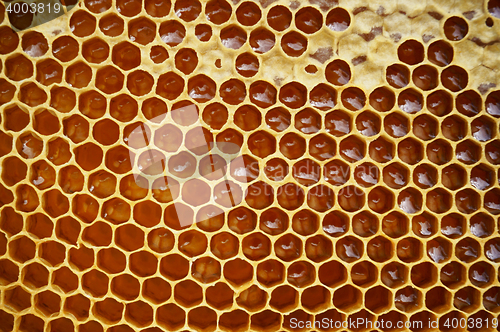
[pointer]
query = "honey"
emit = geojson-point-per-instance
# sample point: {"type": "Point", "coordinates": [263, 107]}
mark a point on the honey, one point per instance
{"type": "Point", "coordinates": [243, 165]}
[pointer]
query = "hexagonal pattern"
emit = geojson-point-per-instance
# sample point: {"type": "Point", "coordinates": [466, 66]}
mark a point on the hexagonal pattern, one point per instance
{"type": "Point", "coordinates": [244, 165]}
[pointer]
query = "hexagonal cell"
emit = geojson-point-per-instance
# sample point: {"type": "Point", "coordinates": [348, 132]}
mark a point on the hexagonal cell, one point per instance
{"type": "Point", "coordinates": [116, 211]}
{"type": "Point", "coordinates": [265, 320]}
{"type": "Point", "coordinates": [22, 249]}
{"type": "Point", "coordinates": [301, 274]}
{"type": "Point", "coordinates": [354, 99]}
{"type": "Point", "coordinates": [425, 127]}
{"type": "Point", "coordinates": [368, 123]}
{"type": "Point", "coordinates": [453, 275]}
{"type": "Point", "coordinates": [365, 224]}
{"type": "Point", "coordinates": [11, 222]}
{"type": "Point", "coordinates": [158, 54]}
{"type": "Point", "coordinates": [219, 296]}
{"type": "Point", "coordinates": [409, 250]}
{"type": "Point", "coordinates": [31, 322]}
{"type": "Point", "coordinates": [481, 274]}
{"type": "Point", "coordinates": [410, 101]}
{"type": "Point", "coordinates": [398, 75]}
{"type": "Point", "coordinates": [394, 274]}
{"type": "Point", "coordinates": [347, 298]}
{"type": "Point", "coordinates": [491, 201]}
{"type": "Point", "coordinates": [27, 199]}
{"type": "Point", "coordinates": [284, 298]}
{"type": "Point", "coordinates": [188, 293]}
{"type": "Point", "coordinates": [453, 177]}
{"type": "Point", "coordinates": [288, 247]}
{"type": "Point", "coordinates": [467, 201]}
{"type": "Point", "coordinates": [259, 195]}
{"type": "Point", "coordinates": [315, 298]}
{"type": "Point", "coordinates": [129, 237]}
{"type": "Point", "coordinates": [349, 249]}
{"type": "Point", "coordinates": [111, 260]}
{"type": "Point", "coordinates": [29, 145]}
{"type": "Point", "coordinates": [440, 103]}
{"type": "Point", "coordinates": [95, 50]}
{"type": "Point", "coordinates": [236, 320]}
{"type": "Point", "coordinates": [35, 275]}
{"type": "Point", "coordinates": [192, 243]}
{"type": "Point", "coordinates": [408, 299]}
{"type": "Point", "coordinates": [85, 208]}
{"type": "Point", "coordinates": [238, 271]}
{"type": "Point", "coordinates": [247, 64]}
{"type": "Point", "coordinates": [411, 52]}
{"type": "Point", "coordinates": [139, 313]}
{"type": "Point", "coordinates": [381, 150]}
{"type": "Point", "coordinates": [143, 263]}
{"type": "Point", "coordinates": [410, 200]}
{"type": "Point", "coordinates": [320, 198]}
{"type": "Point", "coordinates": [156, 290]}
{"type": "Point", "coordinates": [53, 252]}
{"type": "Point", "coordinates": [9, 272]}
{"type": "Point", "coordinates": [467, 299]}
{"type": "Point", "coordinates": [366, 174]}
{"type": "Point", "coordinates": [454, 78]}
{"type": "Point", "coordinates": [440, 53]}
{"type": "Point", "coordinates": [141, 30]}
{"type": "Point", "coordinates": [96, 283]}
{"type": "Point", "coordinates": [83, 257]}
{"type": "Point", "coordinates": [270, 272]}
{"type": "Point", "coordinates": [82, 23]}
{"type": "Point", "coordinates": [126, 287]}
{"type": "Point", "coordinates": [336, 172]}
{"type": "Point", "coordinates": [322, 147]}
{"type": "Point", "coordinates": [109, 310]}
{"type": "Point", "coordinates": [337, 123]}
{"type": "Point", "coordinates": [262, 144]}
{"type": "Point", "coordinates": [15, 118]}
{"type": "Point", "coordinates": [439, 152]}
{"type": "Point", "coordinates": [305, 222]}
{"type": "Point", "coordinates": [379, 249]}
{"type": "Point", "coordinates": [362, 315]}
{"type": "Point", "coordinates": [438, 200]}
{"type": "Point", "coordinates": [481, 225]}
{"type": "Point", "coordinates": [18, 67]}
{"type": "Point", "coordinates": [380, 200]}
{"type": "Point", "coordinates": [352, 149]}
{"type": "Point", "coordinates": [482, 177]}
{"type": "Point", "coordinates": [378, 299]}
{"type": "Point", "coordinates": [48, 72]}
{"type": "Point", "coordinates": [18, 298]}
{"type": "Point", "coordinates": [252, 298]}
{"type": "Point", "coordinates": [318, 248]}
{"type": "Point", "coordinates": [425, 77]}
{"type": "Point", "coordinates": [48, 303]}
{"type": "Point", "coordinates": [439, 250]}
{"type": "Point", "coordinates": [425, 176]}
{"type": "Point", "coordinates": [438, 299]}
{"type": "Point", "coordinates": [202, 318]}
{"type": "Point", "coordinates": [14, 170]}
{"type": "Point", "coordinates": [351, 198]}
{"type": "Point", "coordinates": [77, 305]}
{"type": "Point", "coordinates": [491, 299]}
{"type": "Point", "coordinates": [55, 204]}
{"type": "Point", "coordinates": [170, 316]}
{"type": "Point", "coordinates": [364, 274]}
{"type": "Point", "coordinates": [206, 270]}
{"type": "Point", "coordinates": [247, 117]}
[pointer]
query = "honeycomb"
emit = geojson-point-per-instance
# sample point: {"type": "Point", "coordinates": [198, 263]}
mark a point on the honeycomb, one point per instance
{"type": "Point", "coordinates": [251, 165]}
